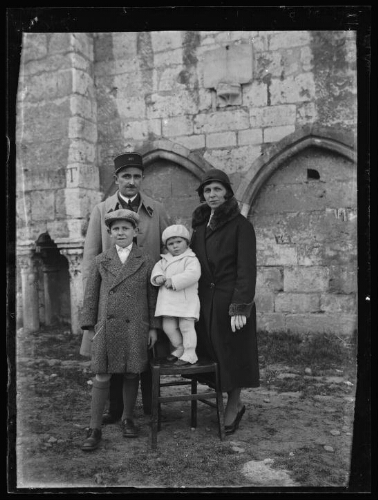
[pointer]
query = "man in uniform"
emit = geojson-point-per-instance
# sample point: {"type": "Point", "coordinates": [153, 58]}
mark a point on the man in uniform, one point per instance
{"type": "Point", "coordinates": [128, 176]}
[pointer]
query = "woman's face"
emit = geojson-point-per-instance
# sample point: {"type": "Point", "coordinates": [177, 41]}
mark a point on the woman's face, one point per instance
{"type": "Point", "coordinates": [214, 194]}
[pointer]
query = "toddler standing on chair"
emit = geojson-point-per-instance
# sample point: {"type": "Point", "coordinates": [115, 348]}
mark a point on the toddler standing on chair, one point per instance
{"type": "Point", "coordinates": [177, 274]}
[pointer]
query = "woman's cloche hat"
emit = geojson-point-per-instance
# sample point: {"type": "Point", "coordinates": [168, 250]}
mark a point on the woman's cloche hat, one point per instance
{"type": "Point", "coordinates": [214, 175]}
{"type": "Point", "coordinates": [177, 230]}
{"type": "Point", "coordinates": [122, 214]}
{"type": "Point", "coordinates": [128, 160]}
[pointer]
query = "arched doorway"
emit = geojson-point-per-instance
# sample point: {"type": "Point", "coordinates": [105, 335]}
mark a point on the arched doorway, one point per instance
{"type": "Point", "coordinates": [54, 283]}
{"type": "Point", "coordinates": [303, 204]}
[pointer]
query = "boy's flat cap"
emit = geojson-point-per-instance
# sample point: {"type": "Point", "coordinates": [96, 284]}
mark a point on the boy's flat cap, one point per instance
{"type": "Point", "coordinates": [122, 214]}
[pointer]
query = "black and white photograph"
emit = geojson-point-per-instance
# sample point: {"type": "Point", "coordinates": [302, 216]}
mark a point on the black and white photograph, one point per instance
{"type": "Point", "coordinates": [188, 253]}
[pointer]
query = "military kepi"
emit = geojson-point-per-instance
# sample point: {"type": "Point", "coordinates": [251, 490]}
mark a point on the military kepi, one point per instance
{"type": "Point", "coordinates": [128, 160]}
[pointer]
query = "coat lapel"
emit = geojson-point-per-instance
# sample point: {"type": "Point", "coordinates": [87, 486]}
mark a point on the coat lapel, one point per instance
{"type": "Point", "coordinates": [111, 262]}
{"type": "Point", "coordinates": [133, 263]}
{"type": "Point", "coordinates": [201, 236]}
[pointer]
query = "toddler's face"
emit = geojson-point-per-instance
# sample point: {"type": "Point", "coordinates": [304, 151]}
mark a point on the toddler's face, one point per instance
{"type": "Point", "coordinates": [122, 233]}
{"type": "Point", "coordinates": [176, 245]}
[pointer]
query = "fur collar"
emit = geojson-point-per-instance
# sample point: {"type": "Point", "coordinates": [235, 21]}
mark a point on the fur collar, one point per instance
{"type": "Point", "coordinates": [223, 214]}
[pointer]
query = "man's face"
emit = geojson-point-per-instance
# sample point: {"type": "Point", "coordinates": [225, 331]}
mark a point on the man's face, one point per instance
{"type": "Point", "coordinates": [129, 181]}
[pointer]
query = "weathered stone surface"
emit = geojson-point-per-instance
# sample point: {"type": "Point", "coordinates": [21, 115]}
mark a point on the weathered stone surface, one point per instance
{"type": "Point", "coordinates": [300, 88]}
{"type": "Point", "coordinates": [166, 40]}
{"type": "Point", "coordinates": [221, 140]}
{"type": "Point", "coordinates": [339, 324]}
{"type": "Point", "coordinates": [162, 106]}
{"type": "Point", "coordinates": [81, 151]}
{"type": "Point", "coordinates": [270, 322]}
{"type": "Point", "coordinates": [192, 142]}
{"type": "Point", "coordinates": [47, 86]}
{"type": "Point", "coordinates": [269, 278]}
{"type": "Point", "coordinates": [182, 125]}
{"type": "Point", "coordinates": [338, 303]}
{"type": "Point", "coordinates": [141, 130]}
{"type": "Point", "coordinates": [275, 134]}
{"type": "Point", "coordinates": [233, 160]}
{"type": "Point", "coordinates": [80, 128]}
{"type": "Point", "coordinates": [84, 107]}
{"type": "Point", "coordinates": [343, 278]}
{"type": "Point", "coordinates": [34, 46]}
{"type": "Point", "coordinates": [306, 279]}
{"type": "Point", "coordinates": [282, 40]}
{"type": "Point", "coordinates": [253, 136]}
{"type": "Point", "coordinates": [264, 302]}
{"type": "Point", "coordinates": [255, 94]}
{"type": "Point", "coordinates": [297, 302]}
{"type": "Point", "coordinates": [222, 121]}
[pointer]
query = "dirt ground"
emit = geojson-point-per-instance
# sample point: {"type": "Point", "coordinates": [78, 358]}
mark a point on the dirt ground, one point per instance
{"type": "Point", "coordinates": [297, 430]}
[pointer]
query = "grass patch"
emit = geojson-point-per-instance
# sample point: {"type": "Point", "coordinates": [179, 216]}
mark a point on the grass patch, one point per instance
{"type": "Point", "coordinates": [316, 351]}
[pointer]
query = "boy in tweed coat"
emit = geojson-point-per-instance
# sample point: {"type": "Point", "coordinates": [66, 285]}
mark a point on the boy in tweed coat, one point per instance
{"type": "Point", "coordinates": [119, 305]}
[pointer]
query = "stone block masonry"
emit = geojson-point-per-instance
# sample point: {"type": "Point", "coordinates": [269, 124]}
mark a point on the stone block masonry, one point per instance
{"type": "Point", "coordinates": [84, 98]}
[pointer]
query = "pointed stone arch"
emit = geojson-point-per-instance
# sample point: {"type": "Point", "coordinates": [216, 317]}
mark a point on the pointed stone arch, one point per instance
{"type": "Point", "coordinates": [342, 142]}
{"type": "Point", "coordinates": [165, 149]}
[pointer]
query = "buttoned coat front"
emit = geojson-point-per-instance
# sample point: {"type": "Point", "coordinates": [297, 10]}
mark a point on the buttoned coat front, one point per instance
{"type": "Point", "coordinates": [227, 254]}
{"type": "Point", "coordinates": [119, 302]}
{"type": "Point", "coordinates": [184, 270]}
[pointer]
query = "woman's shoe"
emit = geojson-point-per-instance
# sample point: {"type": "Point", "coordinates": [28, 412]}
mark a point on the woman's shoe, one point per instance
{"type": "Point", "coordinates": [230, 429]}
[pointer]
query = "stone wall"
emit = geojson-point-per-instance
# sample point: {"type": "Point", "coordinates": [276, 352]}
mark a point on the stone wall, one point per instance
{"type": "Point", "coordinates": [228, 98]}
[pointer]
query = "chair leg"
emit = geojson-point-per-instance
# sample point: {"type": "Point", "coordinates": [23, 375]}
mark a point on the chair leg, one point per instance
{"type": "Point", "coordinates": [159, 411]}
{"type": "Point", "coordinates": [194, 403]}
{"type": "Point", "coordinates": [155, 406]}
{"type": "Point", "coordinates": [220, 408]}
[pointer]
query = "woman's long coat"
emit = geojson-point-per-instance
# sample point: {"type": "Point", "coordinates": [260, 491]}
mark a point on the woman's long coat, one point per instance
{"type": "Point", "coordinates": [184, 270]}
{"type": "Point", "coordinates": [120, 302]}
{"type": "Point", "coordinates": [227, 254]}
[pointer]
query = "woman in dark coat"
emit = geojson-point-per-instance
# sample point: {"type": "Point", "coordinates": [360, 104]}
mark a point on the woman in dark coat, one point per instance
{"type": "Point", "coordinates": [225, 244]}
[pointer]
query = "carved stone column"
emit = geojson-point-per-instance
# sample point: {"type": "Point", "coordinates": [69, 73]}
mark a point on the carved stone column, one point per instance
{"type": "Point", "coordinates": [74, 257]}
{"type": "Point", "coordinates": [50, 273]}
{"type": "Point", "coordinates": [29, 285]}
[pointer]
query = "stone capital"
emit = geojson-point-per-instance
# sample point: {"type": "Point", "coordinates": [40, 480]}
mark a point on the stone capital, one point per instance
{"type": "Point", "coordinates": [74, 257]}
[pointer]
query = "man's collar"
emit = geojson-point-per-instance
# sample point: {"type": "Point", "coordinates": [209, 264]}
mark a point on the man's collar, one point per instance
{"type": "Point", "coordinates": [127, 199]}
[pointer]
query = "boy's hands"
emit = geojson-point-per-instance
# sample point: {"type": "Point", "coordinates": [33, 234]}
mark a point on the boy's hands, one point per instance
{"type": "Point", "coordinates": [160, 280]}
{"type": "Point", "coordinates": [152, 338]}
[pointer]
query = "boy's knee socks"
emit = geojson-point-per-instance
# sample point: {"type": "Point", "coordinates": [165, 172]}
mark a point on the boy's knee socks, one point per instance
{"type": "Point", "coordinates": [99, 396]}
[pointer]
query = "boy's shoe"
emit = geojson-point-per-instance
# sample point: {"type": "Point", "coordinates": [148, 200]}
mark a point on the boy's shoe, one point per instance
{"type": "Point", "coordinates": [129, 429]}
{"type": "Point", "coordinates": [93, 440]}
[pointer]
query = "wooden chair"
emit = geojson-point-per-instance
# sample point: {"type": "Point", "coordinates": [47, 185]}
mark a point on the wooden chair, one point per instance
{"type": "Point", "coordinates": [204, 371]}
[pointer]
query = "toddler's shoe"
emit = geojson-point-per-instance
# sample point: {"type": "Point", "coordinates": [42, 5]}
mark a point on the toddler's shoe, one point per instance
{"type": "Point", "coordinates": [171, 358]}
{"type": "Point", "coordinates": [181, 362]}
{"type": "Point", "coordinates": [93, 440]}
